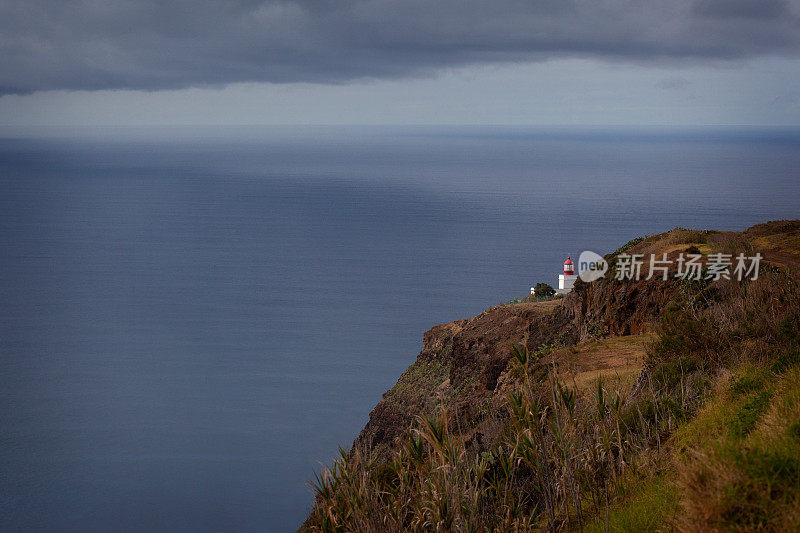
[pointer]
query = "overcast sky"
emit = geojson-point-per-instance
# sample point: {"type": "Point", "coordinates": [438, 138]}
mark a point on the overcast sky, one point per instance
{"type": "Point", "coordinates": [400, 62]}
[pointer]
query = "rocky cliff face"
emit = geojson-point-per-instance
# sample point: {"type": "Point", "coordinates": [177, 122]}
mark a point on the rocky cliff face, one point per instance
{"type": "Point", "coordinates": [463, 364]}
{"type": "Point", "coordinates": [460, 364]}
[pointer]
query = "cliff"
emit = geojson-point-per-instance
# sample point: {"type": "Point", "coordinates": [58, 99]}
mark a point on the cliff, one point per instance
{"type": "Point", "coordinates": [465, 363]}
{"type": "Point", "coordinates": [609, 329]}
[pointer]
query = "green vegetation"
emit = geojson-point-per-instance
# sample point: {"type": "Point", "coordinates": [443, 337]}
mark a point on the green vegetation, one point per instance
{"type": "Point", "coordinates": [625, 247]}
{"type": "Point", "coordinates": [707, 438]}
{"type": "Point", "coordinates": [543, 290]}
{"type": "Point", "coordinates": [542, 296]}
{"type": "Point", "coordinates": [417, 384]}
{"type": "Point", "coordinates": [646, 504]}
{"type": "Point", "coordinates": [741, 460]}
{"type": "Point", "coordinates": [689, 236]}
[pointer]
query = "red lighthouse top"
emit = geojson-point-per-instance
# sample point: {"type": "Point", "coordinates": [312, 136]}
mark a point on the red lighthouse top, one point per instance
{"type": "Point", "coordinates": [569, 268]}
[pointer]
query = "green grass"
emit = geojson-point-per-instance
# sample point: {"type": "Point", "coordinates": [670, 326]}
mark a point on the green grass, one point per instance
{"type": "Point", "coordinates": [421, 378]}
{"type": "Point", "coordinates": [527, 299]}
{"type": "Point", "coordinates": [786, 360]}
{"type": "Point", "coordinates": [740, 457]}
{"type": "Point", "coordinates": [647, 504]}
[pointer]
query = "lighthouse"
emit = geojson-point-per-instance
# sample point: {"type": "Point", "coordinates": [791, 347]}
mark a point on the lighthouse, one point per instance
{"type": "Point", "coordinates": [566, 280]}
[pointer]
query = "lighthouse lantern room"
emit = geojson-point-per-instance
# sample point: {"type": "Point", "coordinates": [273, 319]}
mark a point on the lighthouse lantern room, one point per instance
{"type": "Point", "coordinates": [566, 280]}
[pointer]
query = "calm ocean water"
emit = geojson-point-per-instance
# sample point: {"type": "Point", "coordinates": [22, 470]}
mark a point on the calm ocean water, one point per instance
{"type": "Point", "coordinates": [192, 321]}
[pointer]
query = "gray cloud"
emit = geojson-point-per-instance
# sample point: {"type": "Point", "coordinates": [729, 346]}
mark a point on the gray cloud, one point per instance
{"type": "Point", "coordinates": [153, 45]}
{"type": "Point", "coordinates": [747, 9]}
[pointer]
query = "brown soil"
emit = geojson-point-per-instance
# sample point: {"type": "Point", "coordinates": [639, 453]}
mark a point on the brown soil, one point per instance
{"type": "Point", "coordinates": [616, 359]}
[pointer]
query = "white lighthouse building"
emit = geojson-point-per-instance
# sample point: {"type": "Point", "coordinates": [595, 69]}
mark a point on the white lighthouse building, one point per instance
{"type": "Point", "coordinates": [566, 280]}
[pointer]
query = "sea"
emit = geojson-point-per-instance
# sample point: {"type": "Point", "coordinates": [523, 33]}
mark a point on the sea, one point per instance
{"type": "Point", "coordinates": [194, 319]}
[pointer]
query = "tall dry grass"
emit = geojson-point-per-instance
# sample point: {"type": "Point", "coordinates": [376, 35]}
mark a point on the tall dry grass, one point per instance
{"type": "Point", "coordinates": [562, 460]}
{"type": "Point", "coordinates": [565, 459]}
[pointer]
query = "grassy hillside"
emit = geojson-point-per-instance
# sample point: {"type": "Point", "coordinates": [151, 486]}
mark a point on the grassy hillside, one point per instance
{"type": "Point", "coordinates": [692, 423]}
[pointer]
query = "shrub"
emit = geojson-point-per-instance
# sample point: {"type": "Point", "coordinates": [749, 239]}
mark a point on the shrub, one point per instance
{"type": "Point", "coordinates": [684, 331]}
{"type": "Point", "coordinates": [543, 290]}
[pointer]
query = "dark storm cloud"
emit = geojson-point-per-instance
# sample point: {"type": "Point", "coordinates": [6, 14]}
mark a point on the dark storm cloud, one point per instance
{"type": "Point", "coordinates": [103, 44]}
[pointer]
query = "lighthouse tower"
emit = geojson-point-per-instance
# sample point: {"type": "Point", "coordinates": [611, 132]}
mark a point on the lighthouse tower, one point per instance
{"type": "Point", "coordinates": [567, 280]}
